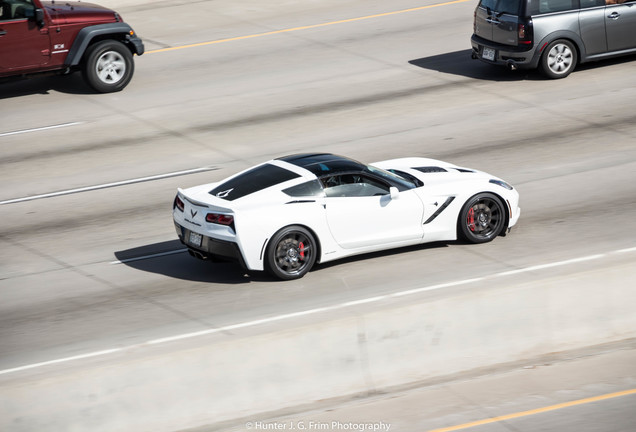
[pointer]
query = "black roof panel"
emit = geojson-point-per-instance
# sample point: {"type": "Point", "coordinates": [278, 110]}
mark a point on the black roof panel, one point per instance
{"type": "Point", "coordinates": [324, 163]}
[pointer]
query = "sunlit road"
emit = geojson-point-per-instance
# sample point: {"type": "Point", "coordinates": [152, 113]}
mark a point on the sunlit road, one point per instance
{"type": "Point", "coordinates": [88, 255]}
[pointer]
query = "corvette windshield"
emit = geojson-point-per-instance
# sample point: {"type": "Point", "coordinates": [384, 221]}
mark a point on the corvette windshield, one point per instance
{"type": "Point", "coordinates": [392, 178]}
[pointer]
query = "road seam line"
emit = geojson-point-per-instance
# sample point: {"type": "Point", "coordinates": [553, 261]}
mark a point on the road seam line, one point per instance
{"type": "Point", "coordinates": [108, 185]}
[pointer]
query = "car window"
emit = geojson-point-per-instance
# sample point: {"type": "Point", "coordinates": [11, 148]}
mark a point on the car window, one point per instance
{"type": "Point", "coordinates": [258, 178]}
{"type": "Point", "coordinates": [311, 188]}
{"type": "Point", "coordinates": [353, 185]}
{"type": "Point", "coordinates": [511, 7]}
{"type": "Point", "coordinates": [591, 3]}
{"type": "Point", "coordinates": [546, 6]}
{"type": "Point", "coordinates": [16, 9]}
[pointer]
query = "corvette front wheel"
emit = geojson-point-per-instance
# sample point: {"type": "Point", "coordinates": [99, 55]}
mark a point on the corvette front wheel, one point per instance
{"type": "Point", "coordinates": [291, 253]}
{"type": "Point", "coordinates": [482, 218]}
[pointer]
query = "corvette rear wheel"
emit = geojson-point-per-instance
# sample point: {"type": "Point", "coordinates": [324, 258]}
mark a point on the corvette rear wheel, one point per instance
{"type": "Point", "coordinates": [482, 218]}
{"type": "Point", "coordinates": [291, 253]}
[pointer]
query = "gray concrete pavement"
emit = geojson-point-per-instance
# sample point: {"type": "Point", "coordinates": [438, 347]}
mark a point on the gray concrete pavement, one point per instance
{"type": "Point", "coordinates": [591, 390]}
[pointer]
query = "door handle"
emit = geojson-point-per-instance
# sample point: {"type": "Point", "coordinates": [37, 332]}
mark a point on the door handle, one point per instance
{"type": "Point", "coordinates": [3, 32]}
{"type": "Point", "coordinates": [614, 15]}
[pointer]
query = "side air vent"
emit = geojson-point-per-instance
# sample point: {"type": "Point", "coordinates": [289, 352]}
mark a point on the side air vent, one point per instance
{"type": "Point", "coordinates": [430, 169]}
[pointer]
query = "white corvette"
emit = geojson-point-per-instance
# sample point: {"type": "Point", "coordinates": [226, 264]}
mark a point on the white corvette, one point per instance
{"type": "Point", "coordinates": [289, 213]}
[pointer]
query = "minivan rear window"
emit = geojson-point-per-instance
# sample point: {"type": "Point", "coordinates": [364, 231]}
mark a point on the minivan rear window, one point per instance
{"type": "Point", "coordinates": [258, 178]}
{"type": "Point", "coordinates": [510, 7]}
{"type": "Point", "coordinates": [538, 7]}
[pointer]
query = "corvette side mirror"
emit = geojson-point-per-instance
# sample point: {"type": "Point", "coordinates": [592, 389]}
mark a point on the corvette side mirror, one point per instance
{"type": "Point", "coordinates": [394, 192]}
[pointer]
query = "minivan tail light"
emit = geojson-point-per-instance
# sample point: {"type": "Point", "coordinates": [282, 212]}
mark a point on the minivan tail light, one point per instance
{"type": "Point", "coordinates": [524, 33]}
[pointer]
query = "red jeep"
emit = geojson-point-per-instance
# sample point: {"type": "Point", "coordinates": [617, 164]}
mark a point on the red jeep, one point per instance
{"type": "Point", "coordinates": [51, 36]}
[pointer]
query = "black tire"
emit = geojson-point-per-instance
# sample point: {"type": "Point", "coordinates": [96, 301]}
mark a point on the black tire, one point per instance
{"type": "Point", "coordinates": [108, 66]}
{"type": "Point", "coordinates": [559, 59]}
{"type": "Point", "coordinates": [482, 218]}
{"type": "Point", "coordinates": [291, 253]}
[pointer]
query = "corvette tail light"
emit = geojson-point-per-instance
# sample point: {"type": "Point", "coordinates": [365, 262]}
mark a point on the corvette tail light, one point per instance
{"type": "Point", "coordinates": [220, 219]}
{"type": "Point", "coordinates": [178, 203]}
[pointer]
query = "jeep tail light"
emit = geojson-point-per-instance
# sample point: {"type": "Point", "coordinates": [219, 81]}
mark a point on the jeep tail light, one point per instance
{"type": "Point", "coordinates": [220, 219]}
{"type": "Point", "coordinates": [178, 203]}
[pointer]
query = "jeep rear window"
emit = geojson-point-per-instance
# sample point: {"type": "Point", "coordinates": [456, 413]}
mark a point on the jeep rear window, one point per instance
{"type": "Point", "coordinates": [254, 180]}
{"type": "Point", "coordinates": [511, 7]}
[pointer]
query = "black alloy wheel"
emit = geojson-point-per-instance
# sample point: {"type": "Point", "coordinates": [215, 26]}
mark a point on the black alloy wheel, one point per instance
{"type": "Point", "coordinates": [291, 253]}
{"type": "Point", "coordinates": [482, 218]}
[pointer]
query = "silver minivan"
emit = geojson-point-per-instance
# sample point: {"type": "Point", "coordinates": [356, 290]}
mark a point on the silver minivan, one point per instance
{"type": "Point", "coordinates": [553, 35]}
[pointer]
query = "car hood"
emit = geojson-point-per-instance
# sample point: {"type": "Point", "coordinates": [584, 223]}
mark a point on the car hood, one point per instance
{"type": "Point", "coordinates": [433, 171]}
{"type": "Point", "coordinates": [79, 12]}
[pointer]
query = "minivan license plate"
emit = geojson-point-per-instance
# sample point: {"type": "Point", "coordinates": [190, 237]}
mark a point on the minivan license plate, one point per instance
{"type": "Point", "coordinates": [488, 54]}
{"type": "Point", "coordinates": [195, 239]}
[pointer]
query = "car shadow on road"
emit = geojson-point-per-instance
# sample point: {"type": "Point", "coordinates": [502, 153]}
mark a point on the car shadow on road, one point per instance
{"type": "Point", "coordinates": [70, 84]}
{"type": "Point", "coordinates": [460, 63]}
{"type": "Point", "coordinates": [171, 259]}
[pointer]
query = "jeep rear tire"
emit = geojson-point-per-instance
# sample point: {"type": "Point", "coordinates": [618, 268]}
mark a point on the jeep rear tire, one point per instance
{"type": "Point", "coordinates": [108, 66]}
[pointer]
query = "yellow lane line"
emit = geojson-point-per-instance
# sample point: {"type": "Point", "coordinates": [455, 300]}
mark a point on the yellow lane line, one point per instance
{"type": "Point", "coordinates": [305, 27]}
{"type": "Point", "coordinates": [536, 411]}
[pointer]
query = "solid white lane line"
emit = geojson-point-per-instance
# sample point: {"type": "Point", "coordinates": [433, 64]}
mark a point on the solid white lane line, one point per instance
{"type": "Point", "coordinates": [626, 250]}
{"type": "Point", "coordinates": [148, 256]}
{"type": "Point", "coordinates": [39, 129]}
{"type": "Point", "coordinates": [108, 185]}
{"type": "Point", "coordinates": [337, 306]}
{"type": "Point", "coordinates": [549, 265]}
{"type": "Point", "coordinates": [62, 360]}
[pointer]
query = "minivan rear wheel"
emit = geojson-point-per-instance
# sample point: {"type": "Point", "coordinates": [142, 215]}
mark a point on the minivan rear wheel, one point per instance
{"type": "Point", "coordinates": [558, 59]}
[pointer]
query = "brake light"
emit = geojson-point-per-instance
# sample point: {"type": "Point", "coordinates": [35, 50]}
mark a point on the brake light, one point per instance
{"type": "Point", "coordinates": [220, 219]}
{"type": "Point", "coordinates": [178, 203]}
{"type": "Point", "coordinates": [524, 33]}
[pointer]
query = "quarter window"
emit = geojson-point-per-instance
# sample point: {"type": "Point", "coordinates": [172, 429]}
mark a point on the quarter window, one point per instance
{"type": "Point", "coordinates": [353, 185]}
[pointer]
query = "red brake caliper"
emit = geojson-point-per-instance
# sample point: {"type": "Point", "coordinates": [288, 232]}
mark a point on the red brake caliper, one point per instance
{"type": "Point", "coordinates": [471, 219]}
{"type": "Point", "coordinates": [302, 250]}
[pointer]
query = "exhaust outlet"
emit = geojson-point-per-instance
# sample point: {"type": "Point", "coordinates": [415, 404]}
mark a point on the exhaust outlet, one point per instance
{"type": "Point", "coordinates": [196, 254]}
{"type": "Point", "coordinates": [511, 65]}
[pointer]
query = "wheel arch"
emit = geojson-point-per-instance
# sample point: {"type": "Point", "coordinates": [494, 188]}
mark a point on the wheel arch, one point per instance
{"type": "Point", "coordinates": [506, 205]}
{"type": "Point", "coordinates": [569, 36]}
{"type": "Point", "coordinates": [302, 225]}
{"type": "Point", "coordinates": [88, 36]}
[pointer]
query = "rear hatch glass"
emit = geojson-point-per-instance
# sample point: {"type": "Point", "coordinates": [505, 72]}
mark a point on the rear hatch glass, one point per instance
{"type": "Point", "coordinates": [254, 180]}
{"type": "Point", "coordinates": [497, 20]}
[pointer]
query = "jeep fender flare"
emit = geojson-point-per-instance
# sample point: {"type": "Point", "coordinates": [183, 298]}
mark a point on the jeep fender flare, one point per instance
{"type": "Point", "coordinates": [122, 31]}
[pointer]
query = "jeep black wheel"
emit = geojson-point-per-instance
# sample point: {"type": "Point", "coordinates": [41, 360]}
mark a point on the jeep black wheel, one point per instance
{"type": "Point", "coordinates": [291, 253]}
{"type": "Point", "coordinates": [108, 66]}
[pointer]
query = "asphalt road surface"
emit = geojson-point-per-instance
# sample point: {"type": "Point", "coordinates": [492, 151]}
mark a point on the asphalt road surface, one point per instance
{"type": "Point", "coordinates": [89, 259]}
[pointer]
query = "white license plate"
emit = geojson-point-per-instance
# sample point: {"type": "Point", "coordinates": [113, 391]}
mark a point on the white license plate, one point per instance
{"type": "Point", "coordinates": [195, 239]}
{"type": "Point", "coordinates": [488, 54]}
